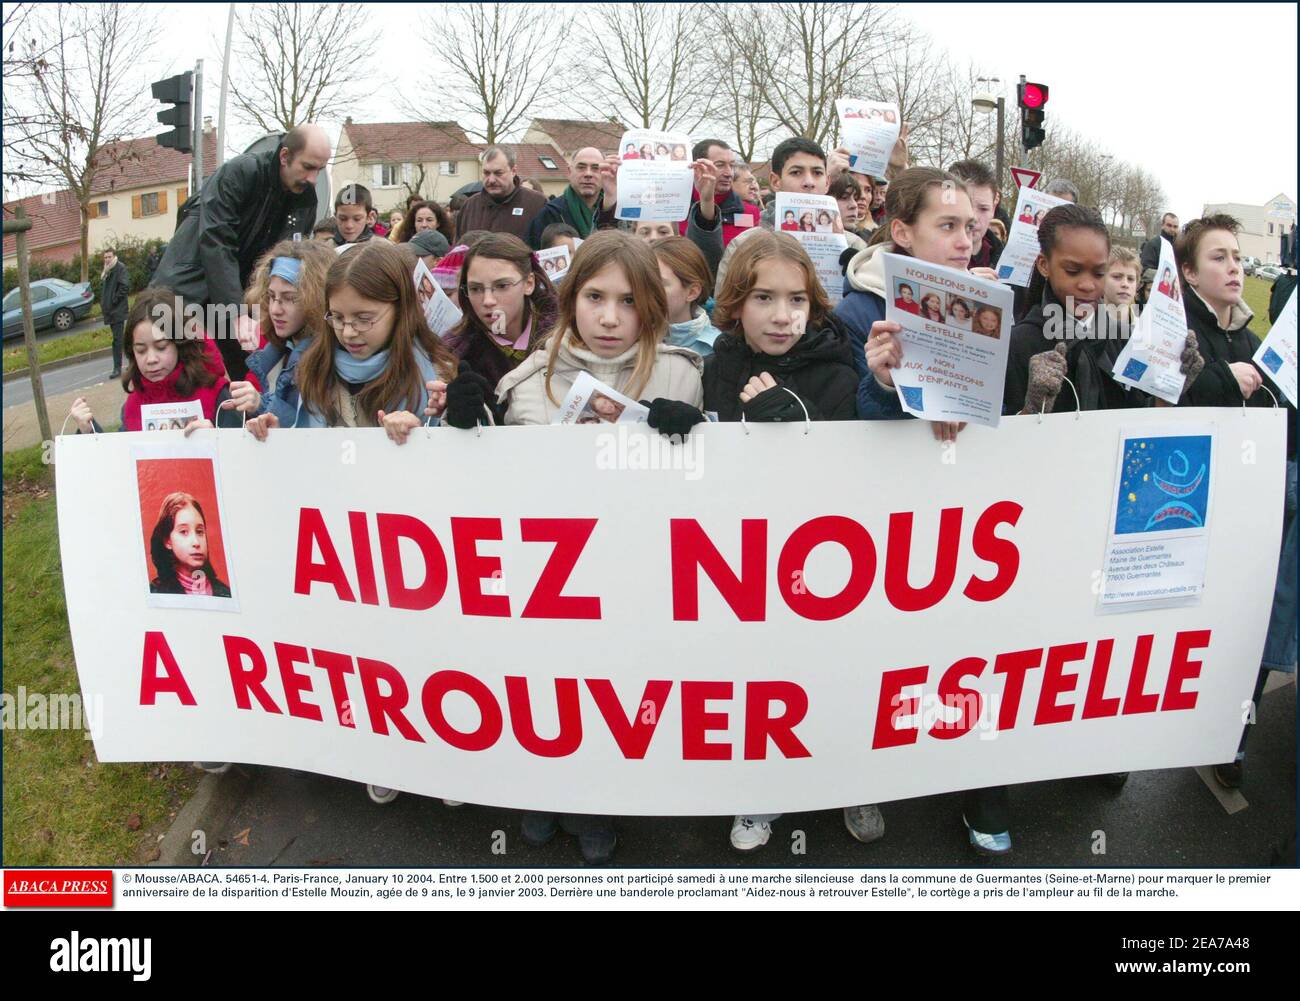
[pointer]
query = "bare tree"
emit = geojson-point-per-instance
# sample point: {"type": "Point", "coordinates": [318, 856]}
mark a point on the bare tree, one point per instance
{"type": "Point", "coordinates": [298, 62]}
{"type": "Point", "coordinates": [498, 58]}
{"type": "Point", "coordinates": [26, 53]}
{"type": "Point", "coordinates": [643, 66]}
{"type": "Point", "coordinates": [739, 108]}
{"type": "Point", "coordinates": [80, 103]}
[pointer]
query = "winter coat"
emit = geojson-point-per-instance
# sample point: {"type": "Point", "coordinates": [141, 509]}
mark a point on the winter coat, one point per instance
{"type": "Point", "coordinates": [283, 399]}
{"type": "Point", "coordinates": [494, 363]}
{"type": "Point", "coordinates": [676, 376]}
{"type": "Point", "coordinates": [238, 214]}
{"type": "Point", "coordinates": [817, 369]}
{"type": "Point", "coordinates": [732, 208]}
{"type": "Point", "coordinates": [117, 285]}
{"type": "Point", "coordinates": [514, 215]}
{"type": "Point", "coordinates": [1090, 362]}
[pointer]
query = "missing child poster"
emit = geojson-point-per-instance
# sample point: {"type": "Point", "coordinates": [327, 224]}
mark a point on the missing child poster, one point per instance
{"type": "Point", "coordinates": [814, 220]}
{"type": "Point", "coordinates": [439, 311]}
{"type": "Point", "coordinates": [1277, 355]}
{"type": "Point", "coordinates": [955, 337]}
{"type": "Point", "coordinates": [655, 179]}
{"type": "Point", "coordinates": [590, 401]}
{"type": "Point", "coordinates": [169, 416]}
{"type": "Point", "coordinates": [1152, 359]}
{"type": "Point", "coordinates": [1159, 528]}
{"type": "Point", "coordinates": [869, 131]}
{"type": "Point", "coordinates": [555, 261]}
{"type": "Point", "coordinates": [1016, 264]}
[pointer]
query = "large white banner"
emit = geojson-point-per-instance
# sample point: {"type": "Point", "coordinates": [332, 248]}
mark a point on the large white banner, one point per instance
{"type": "Point", "coordinates": [590, 619]}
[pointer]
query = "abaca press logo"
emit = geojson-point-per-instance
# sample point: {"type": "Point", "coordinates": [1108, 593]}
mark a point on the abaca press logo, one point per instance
{"type": "Point", "coordinates": [1164, 484]}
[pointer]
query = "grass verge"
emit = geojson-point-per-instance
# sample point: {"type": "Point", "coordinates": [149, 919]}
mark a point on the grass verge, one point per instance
{"type": "Point", "coordinates": [59, 347]}
{"type": "Point", "coordinates": [60, 805]}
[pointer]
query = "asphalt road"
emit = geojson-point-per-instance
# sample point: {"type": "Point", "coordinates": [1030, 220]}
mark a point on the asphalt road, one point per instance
{"type": "Point", "coordinates": [1161, 818]}
{"type": "Point", "coordinates": [59, 380]}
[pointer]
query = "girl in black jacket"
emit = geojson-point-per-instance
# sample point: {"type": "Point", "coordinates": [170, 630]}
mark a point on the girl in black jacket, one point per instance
{"type": "Point", "coordinates": [782, 352]}
{"type": "Point", "coordinates": [1209, 264]}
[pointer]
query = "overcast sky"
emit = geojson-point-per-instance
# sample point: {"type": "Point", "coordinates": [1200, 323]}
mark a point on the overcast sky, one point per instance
{"type": "Point", "coordinates": [1202, 95]}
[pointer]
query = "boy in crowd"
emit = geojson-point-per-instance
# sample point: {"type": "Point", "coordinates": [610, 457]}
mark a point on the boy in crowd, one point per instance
{"type": "Point", "coordinates": [325, 229]}
{"type": "Point", "coordinates": [354, 214]}
{"type": "Point", "coordinates": [560, 234]}
{"type": "Point", "coordinates": [984, 197]}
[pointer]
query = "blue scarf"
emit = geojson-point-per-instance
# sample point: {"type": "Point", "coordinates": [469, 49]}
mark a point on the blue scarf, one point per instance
{"type": "Point", "coordinates": [359, 371]}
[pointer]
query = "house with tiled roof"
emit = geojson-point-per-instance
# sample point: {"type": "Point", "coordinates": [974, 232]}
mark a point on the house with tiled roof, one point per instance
{"type": "Point", "coordinates": [137, 190]}
{"type": "Point", "coordinates": [396, 159]}
{"type": "Point", "coordinates": [569, 135]}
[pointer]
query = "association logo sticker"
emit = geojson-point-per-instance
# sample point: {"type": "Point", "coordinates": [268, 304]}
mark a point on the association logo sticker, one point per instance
{"type": "Point", "coordinates": [1164, 484]}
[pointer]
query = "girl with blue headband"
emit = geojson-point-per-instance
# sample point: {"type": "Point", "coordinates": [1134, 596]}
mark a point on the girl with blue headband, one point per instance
{"type": "Point", "coordinates": [288, 289]}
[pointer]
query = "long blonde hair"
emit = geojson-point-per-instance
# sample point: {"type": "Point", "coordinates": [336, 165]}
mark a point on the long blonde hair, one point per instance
{"type": "Point", "coordinates": [639, 264]}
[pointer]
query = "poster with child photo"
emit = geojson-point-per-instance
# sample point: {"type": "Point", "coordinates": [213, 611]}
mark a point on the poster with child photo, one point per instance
{"type": "Point", "coordinates": [590, 401]}
{"type": "Point", "coordinates": [655, 179]}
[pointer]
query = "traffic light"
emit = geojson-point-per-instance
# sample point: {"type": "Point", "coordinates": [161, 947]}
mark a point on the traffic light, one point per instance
{"type": "Point", "coordinates": [176, 90]}
{"type": "Point", "coordinates": [1032, 98]}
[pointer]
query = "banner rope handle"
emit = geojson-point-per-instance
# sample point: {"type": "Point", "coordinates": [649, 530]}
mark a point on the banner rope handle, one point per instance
{"type": "Point", "coordinates": [243, 414]}
{"type": "Point", "coordinates": [64, 426]}
{"type": "Point", "coordinates": [807, 419]}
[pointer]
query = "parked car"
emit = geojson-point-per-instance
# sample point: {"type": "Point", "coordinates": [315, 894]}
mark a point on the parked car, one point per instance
{"type": "Point", "coordinates": [55, 303]}
{"type": "Point", "coordinates": [1269, 272]}
{"type": "Point", "coordinates": [1250, 264]}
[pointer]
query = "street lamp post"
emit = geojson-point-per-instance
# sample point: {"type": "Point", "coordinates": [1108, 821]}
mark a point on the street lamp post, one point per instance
{"type": "Point", "coordinates": [984, 102]}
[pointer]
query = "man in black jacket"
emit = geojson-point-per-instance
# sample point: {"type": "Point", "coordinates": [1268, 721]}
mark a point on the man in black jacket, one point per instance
{"type": "Point", "coordinates": [1151, 249]}
{"type": "Point", "coordinates": [246, 207]}
{"type": "Point", "coordinates": [112, 303]}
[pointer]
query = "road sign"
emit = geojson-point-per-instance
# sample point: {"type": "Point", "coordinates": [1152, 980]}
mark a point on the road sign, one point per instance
{"type": "Point", "coordinates": [1026, 178]}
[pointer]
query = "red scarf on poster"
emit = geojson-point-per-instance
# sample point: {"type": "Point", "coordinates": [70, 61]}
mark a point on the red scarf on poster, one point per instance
{"type": "Point", "coordinates": [165, 391]}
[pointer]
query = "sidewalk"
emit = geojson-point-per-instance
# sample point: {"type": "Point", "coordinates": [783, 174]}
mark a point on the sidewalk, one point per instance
{"type": "Point", "coordinates": [22, 429]}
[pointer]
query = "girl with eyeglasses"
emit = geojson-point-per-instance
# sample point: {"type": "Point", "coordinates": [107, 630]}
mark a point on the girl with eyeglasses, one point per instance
{"type": "Point", "coordinates": [509, 306]}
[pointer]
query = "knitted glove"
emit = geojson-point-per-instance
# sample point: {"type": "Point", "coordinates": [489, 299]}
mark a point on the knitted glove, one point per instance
{"type": "Point", "coordinates": [1046, 372]}
{"type": "Point", "coordinates": [467, 394]}
{"type": "Point", "coordinates": [671, 417]}
{"type": "Point", "coordinates": [1192, 362]}
{"type": "Point", "coordinates": [775, 405]}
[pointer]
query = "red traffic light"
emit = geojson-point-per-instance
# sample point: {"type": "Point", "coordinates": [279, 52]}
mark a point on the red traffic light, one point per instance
{"type": "Point", "coordinates": [1033, 95]}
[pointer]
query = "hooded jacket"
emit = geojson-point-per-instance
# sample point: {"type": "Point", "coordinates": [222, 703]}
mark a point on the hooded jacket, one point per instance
{"type": "Point", "coordinates": [697, 333]}
{"type": "Point", "coordinates": [482, 353]}
{"type": "Point", "coordinates": [863, 304]}
{"type": "Point", "coordinates": [817, 369]}
{"type": "Point", "coordinates": [675, 376]}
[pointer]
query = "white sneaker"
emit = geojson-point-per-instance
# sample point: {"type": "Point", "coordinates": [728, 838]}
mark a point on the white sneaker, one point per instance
{"type": "Point", "coordinates": [381, 794]}
{"type": "Point", "coordinates": [452, 803]}
{"type": "Point", "coordinates": [747, 835]}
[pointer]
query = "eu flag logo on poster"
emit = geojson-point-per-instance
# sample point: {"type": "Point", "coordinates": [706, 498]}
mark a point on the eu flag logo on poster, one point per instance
{"type": "Point", "coordinates": [1134, 369]}
{"type": "Point", "coordinates": [632, 212]}
{"type": "Point", "coordinates": [1272, 360]}
{"type": "Point", "coordinates": [1164, 484]}
{"type": "Point", "coordinates": [913, 396]}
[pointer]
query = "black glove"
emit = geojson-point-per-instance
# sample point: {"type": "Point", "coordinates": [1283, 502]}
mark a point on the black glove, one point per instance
{"type": "Point", "coordinates": [670, 417]}
{"type": "Point", "coordinates": [775, 405]}
{"type": "Point", "coordinates": [467, 394]}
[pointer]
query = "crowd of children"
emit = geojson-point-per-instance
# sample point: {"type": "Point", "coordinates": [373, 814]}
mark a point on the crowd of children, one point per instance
{"type": "Point", "coordinates": [722, 314]}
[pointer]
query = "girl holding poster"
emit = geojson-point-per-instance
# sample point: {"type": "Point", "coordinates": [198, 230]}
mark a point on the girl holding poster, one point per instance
{"type": "Point", "coordinates": [1209, 261]}
{"type": "Point", "coordinates": [288, 286]}
{"type": "Point", "coordinates": [928, 216]}
{"type": "Point", "coordinates": [383, 365]}
{"type": "Point", "coordinates": [511, 307]}
{"type": "Point", "coordinates": [1051, 343]}
{"type": "Point", "coordinates": [613, 318]}
{"type": "Point", "coordinates": [167, 366]}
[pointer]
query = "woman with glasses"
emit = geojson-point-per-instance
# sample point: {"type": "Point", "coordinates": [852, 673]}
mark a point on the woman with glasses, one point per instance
{"type": "Point", "coordinates": [509, 307]}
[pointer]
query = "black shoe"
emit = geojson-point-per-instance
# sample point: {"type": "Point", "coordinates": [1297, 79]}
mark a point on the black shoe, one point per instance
{"type": "Point", "coordinates": [1229, 775]}
{"type": "Point", "coordinates": [598, 846]}
{"type": "Point", "coordinates": [537, 828]}
{"type": "Point", "coordinates": [1114, 781]}
{"type": "Point", "coordinates": [115, 374]}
